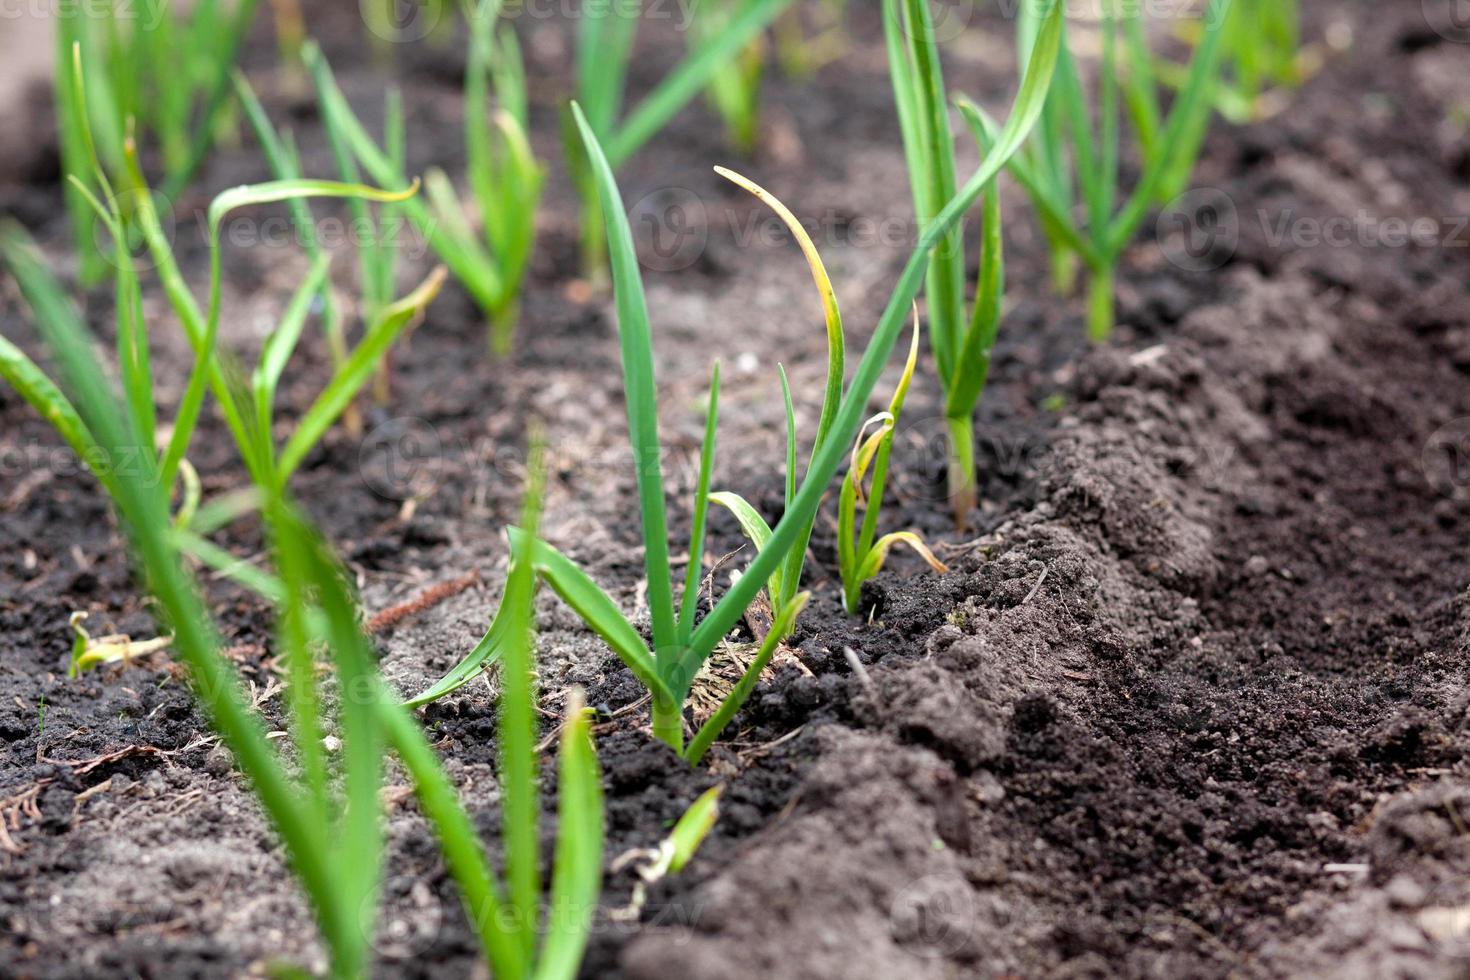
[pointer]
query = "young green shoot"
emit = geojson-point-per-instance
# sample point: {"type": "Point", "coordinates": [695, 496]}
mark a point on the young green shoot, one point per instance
{"type": "Point", "coordinates": [88, 651]}
{"type": "Point", "coordinates": [249, 420]}
{"type": "Point", "coordinates": [1071, 169]}
{"type": "Point", "coordinates": [504, 174]}
{"type": "Point", "coordinates": [961, 336]}
{"type": "Point", "coordinates": [164, 67]}
{"type": "Point", "coordinates": [860, 552]}
{"type": "Point", "coordinates": [329, 815]}
{"type": "Point", "coordinates": [1262, 56]}
{"type": "Point", "coordinates": [784, 583]}
{"type": "Point", "coordinates": [735, 90]}
{"type": "Point", "coordinates": [605, 39]}
{"type": "Point", "coordinates": [331, 844]}
{"type": "Point", "coordinates": [674, 852]}
{"type": "Point", "coordinates": [505, 178]}
{"type": "Point", "coordinates": [680, 644]}
{"type": "Point", "coordinates": [285, 164]}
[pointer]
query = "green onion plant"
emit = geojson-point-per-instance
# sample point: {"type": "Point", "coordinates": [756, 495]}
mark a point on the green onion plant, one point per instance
{"type": "Point", "coordinates": [376, 236]}
{"type": "Point", "coordinates": [860, 552]}
{"type": "Point", "coordinates": [249, 420]}
{"type": "Point", "coordinates": [962, 337]}
{"type": "Point", "coordinates": [505, 177]}
{"type": "Point", "coordinates": [1262, 53]}
{"type": "Point", "coordinates": [783, 584]}
{"type": "Point", "coordinates": [98, 192]}
{"type": "Point", "coordinates": [157, 68]}
{"type": "Point", "coordinates": [1071, 169]}
{"type": "Point", "coordinates": [329, 816]}
{"type": "Point", "coordinates": [604, 47]}
{"type": "Point", "coordinates": [800, 53]}
{"type": "Point", "coordinates": [735, 90]}
{"type": "Point", "coordinates": [680, 645]}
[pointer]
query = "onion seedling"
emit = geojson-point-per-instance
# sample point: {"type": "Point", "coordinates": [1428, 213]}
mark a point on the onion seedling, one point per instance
{"type": "Point", "coordinates": [333, 845]}
{"type": "Point", "coordinates": [735, 90]}
{"type": "Point", "coordinates": [1262, 51]}
{"type": "Point", "coordinates": [375, 237]}
{"type": "Point", "coordinates": [784, 582]}
{"type": "Point", "coordinates": [800, 54]}
{"type": "Point", "coordinates": [962, 339]}
{"type": "Point", "coordinates": [285, 164]}
{"type": "Point", "coordinates": [860, 552]}
{"type": "Point", "coordinates": [604, 46]}
{"type": "Point", "coordinates": [249, 422]}
{"type": "Point", "coordinates": [680, 645]}
{"type": "Point", "coordinates": [250, 419]}
{"type": "Point", "coordinates": [163, 67]}
{"type": "Point", "coordinates": [504, 174]}
{"type": "Point", "coordinates": [1072, 165]}
{"type": "Point", "coordinates": [329, 817]}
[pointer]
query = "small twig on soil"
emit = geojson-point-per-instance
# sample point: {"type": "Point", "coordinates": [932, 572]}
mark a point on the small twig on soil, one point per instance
{"type": "Point", "coordinates": [1037, 587]}
{"type": "Point", "coordinates": [23, 804]}
{"type": "Point", "coordinates": [861, 673]}
{"type": "Point", "coordinates": [756, 751]}
{"type": "Point", "coordinates": [422, 602]}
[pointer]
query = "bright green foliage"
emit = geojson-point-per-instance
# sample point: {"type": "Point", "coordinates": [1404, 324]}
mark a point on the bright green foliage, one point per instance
{"type": "Point", "coordinates": [505, 177]}
{"type": "Point", "coordinates": [376, 237]}
{"type": "Point", "coordinates": [519, 939]}
{"type": "Point", "coordinates": [329, 817]}
{"type": "Point", "coordinates": [604, 45]}
{"type": "Point", "coordinates": [680, 645]}
{"type": "Point", "coordinates": [504, 174]}
{"type": "Point", "coordinates": [860, 552]}
{"type": "Point", "coordinates": [330, 840]}
{"type": "Point", "coordinates": [248, 418]}
{"type": "Point", "coordinates": [285, 164]}
{"type": "Point", "coordinates": [693, 827]}
{"type": "Point", "coordinates": [157, 68]}
{"type": "Point", "coordinates": [962, 338]}
{"type": "Point", "coordinates": [1070, 169]}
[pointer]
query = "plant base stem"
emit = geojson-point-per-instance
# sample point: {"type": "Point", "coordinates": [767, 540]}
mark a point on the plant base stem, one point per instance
{"type": "Point", "coordinates": [503, 329]}
{"type": "Point", "coordinates": [1100, 305]}
{"type": "Point", "coordinates": [1063, 270]}
{"type": "Point", "coordinates": [594, 242]}
{"type": "Point", "coordinates": [668, 724]}
{"type": "Point", "coordinates": [961, 484]}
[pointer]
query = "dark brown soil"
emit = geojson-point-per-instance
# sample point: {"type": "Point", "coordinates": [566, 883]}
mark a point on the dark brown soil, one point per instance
{"type": "Point", "coordinates": [1192, 705]}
